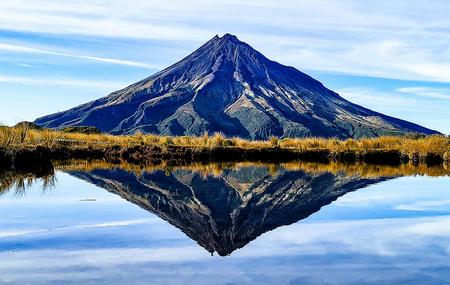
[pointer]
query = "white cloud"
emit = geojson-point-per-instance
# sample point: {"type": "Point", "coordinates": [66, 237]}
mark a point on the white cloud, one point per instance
{"type": "Point", "coordinates": [395, 101]}
{"type": "Point", "coordinates": [123, 223]}
{"type": "Point", "coordinates": [104, 256]}
{"type": "Point", "coordinates": [15, 233]}
{"type": "Point", "coordinates": [63, 82]}
{"type": "Point", "coordinates": [27, 65]}
{"type": "Point", "coordinates": [430, 92]}
{"type": "Point", "coordinates": [404, 40]}
{"type": "Point", "coordinates": [426, 206]}
{"type": "Point", "coordinates": [366, 97]}
{"type": "Point", "coordinates": [91, 18]}
{"type": "Point", "coordinates": [22, 49]}
{"type": "Point", "coordinates": [434, 227]}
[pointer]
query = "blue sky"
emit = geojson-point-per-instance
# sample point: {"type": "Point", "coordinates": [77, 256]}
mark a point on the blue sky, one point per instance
{"type": "Point", "coordinates": [392, 57]}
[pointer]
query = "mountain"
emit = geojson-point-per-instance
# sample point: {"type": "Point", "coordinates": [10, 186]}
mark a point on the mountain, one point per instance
{"type": "Point", "coordinates": [227, 86]}
{"type": "Point", "coordinates": [225, 212]}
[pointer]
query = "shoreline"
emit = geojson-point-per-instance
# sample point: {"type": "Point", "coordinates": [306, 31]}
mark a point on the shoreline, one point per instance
{"type": "Point", "coordinates": [26, 148]}
{"type": "Point", "coordinates": [45, 171]}
{"type": "Point", "coordinates": [30, 158]}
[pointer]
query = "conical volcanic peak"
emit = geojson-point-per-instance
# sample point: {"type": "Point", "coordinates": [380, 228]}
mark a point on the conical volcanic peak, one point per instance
{"type": "Point", "coordinates": [227, 86]}
{"type": "Point", "coordinates": [227, 40]}
{"type": "Point", "coordinates": [230, 38]}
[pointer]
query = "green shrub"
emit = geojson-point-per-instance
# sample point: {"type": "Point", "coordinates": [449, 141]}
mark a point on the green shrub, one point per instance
{"type": "Point", "coordinates": [81, 130]}
{"type": "Point", "coordinates": [28, 125]}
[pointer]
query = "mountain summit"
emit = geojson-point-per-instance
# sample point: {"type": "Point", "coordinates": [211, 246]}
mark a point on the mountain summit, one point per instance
{"type": "Point", "coordinates": [227, 86]}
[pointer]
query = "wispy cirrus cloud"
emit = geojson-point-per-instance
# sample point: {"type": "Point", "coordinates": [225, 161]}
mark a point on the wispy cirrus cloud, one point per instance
{"type": "Point", "coordinates": [377, 39]}
{"type": "Point", "coordinates": [421, 108]}
{"type": "Point", "coordinates": [430, 92]}
{"type": "Point", "coordinates": [17, 80]}
{"type": "Point", "coordinates": [122, 223]}
{"type": "Point", "coordinates": [367, 96]}
{"type": "Point", "coordinates": [396, 99]}
{"type": "Point", "coordinates": [426, 206]}
{"type": "Point", "coordinates": [24, 49]}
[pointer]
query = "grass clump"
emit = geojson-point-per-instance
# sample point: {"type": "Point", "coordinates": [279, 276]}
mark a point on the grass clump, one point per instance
{"type": "Point", "coordinates": [80, 129]}
{"type": "Point", "coordinates": [274, 141]}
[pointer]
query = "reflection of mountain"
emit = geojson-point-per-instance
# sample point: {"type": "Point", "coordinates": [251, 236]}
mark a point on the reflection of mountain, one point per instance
{"type": "Point", "coordinates": [226, 212]}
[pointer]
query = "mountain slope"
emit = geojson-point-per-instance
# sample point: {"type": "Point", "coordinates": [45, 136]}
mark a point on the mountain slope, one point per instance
{"type": "Point", "coordinates": [227, 86]}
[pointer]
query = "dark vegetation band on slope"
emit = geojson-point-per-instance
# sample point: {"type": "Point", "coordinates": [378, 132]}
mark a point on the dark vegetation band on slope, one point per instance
{"type": "Point", "coordinates": [21, 147]}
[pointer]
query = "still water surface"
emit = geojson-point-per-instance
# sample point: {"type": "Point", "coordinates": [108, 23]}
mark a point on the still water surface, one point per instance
{"type": "Point", "coordinates": [242, 225]}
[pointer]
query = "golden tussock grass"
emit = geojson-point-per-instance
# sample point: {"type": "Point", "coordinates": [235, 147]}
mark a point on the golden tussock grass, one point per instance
{"type": "Point", "coordinates": [20, 137]}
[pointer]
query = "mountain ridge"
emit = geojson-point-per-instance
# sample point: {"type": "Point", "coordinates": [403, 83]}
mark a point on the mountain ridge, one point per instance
{"type": "Point", "coordinates": [227, 86]}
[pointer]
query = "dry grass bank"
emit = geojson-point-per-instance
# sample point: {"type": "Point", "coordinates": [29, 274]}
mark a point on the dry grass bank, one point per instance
{"type": "Point", "coordinates": [425, 149]}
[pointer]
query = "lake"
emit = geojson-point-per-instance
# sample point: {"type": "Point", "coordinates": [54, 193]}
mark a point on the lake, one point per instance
{"type": "Point", "coordinates": [225, 224]}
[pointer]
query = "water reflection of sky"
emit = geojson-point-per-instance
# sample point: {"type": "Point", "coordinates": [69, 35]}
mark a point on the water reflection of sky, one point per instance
{"type": "Point", "coordinates": [395, 232]}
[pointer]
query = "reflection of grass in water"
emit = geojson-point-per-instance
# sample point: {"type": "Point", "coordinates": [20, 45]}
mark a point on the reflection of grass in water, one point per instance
{"type": "Point", "coordinates": [20, 182]}
{"type": "Point", "coordinates": [371, 170]}
{"type": "Point", "coordinates": [216, 169]}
